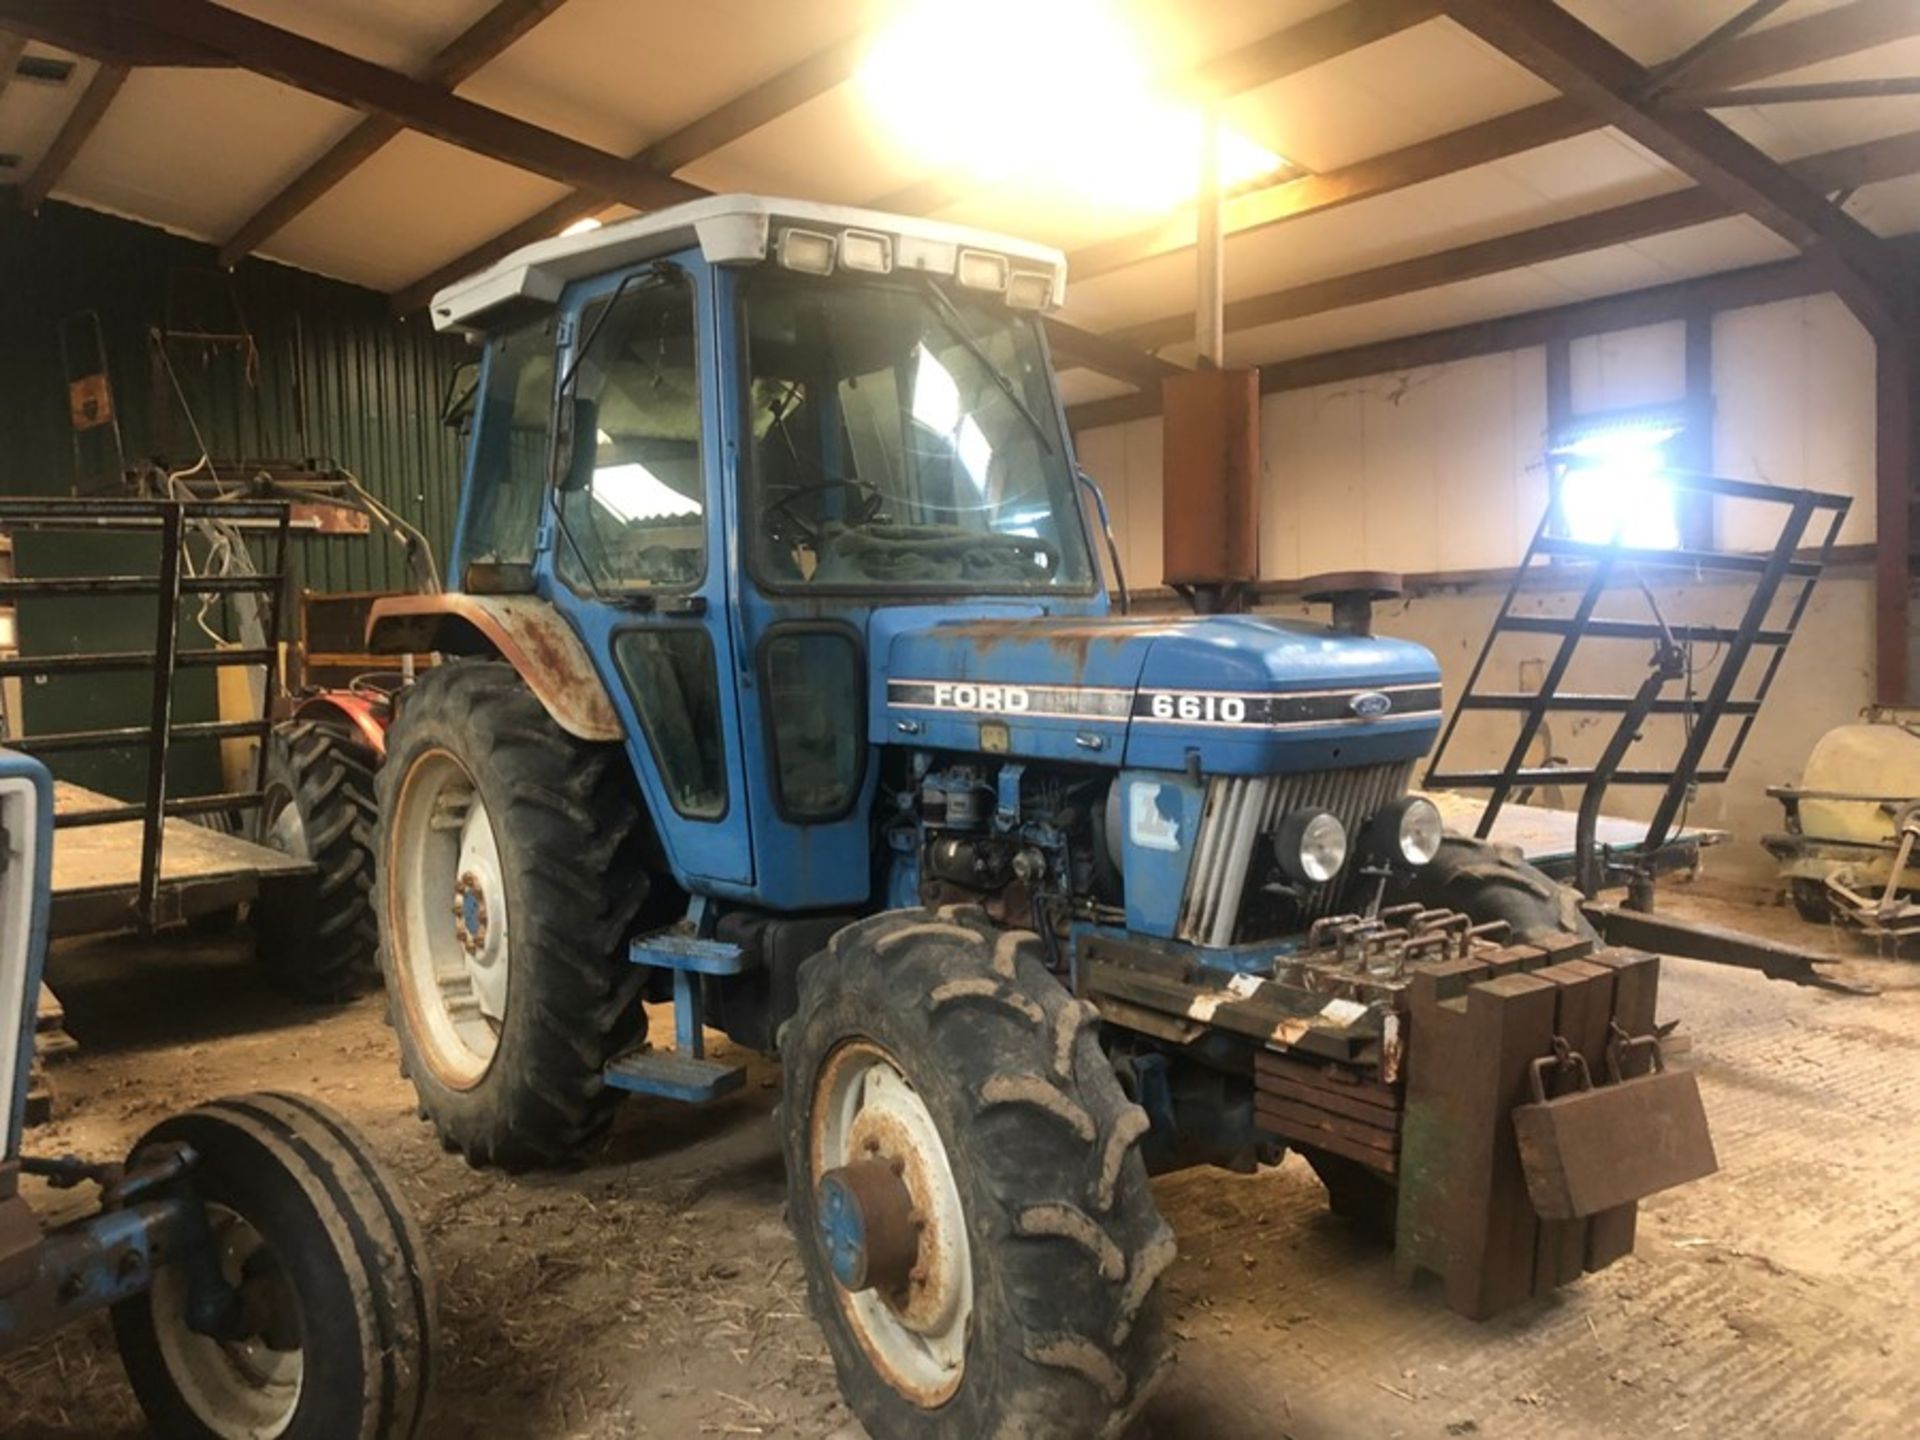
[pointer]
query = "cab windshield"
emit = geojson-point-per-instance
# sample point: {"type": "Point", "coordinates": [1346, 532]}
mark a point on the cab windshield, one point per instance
{"type": "Point", "coordinates": [903, 435]}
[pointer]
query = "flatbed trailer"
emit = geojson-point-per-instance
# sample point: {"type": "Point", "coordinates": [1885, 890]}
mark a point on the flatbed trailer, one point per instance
{"type": "Point", "coordinates": [1548, 838]}
{"type": "Point", "coordinates": [203, 871]}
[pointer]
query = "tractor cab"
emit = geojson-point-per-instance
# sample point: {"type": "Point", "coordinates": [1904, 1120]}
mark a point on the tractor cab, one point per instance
{"type": "Point", "coordinates": [717, 440]}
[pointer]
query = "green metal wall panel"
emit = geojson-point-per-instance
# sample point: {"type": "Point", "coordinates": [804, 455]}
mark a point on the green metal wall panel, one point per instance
{"type": "Point", "coordinates": [337, 377]}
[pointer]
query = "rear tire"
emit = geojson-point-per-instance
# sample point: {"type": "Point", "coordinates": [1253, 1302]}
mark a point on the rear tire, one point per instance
{"type": "Point", "coordinates": [1490, 882]}
{"type": "Point", "coordinates": [510, 1069]}
{"type": "Point", "coordinates": [1058, 1230]}
{"type": "Point", "coordinates": [332, 1272]}
{"type": "Point", "coordinates": [319, 942]}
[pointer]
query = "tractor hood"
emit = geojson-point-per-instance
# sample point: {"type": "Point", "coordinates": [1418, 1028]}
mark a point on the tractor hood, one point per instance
{"type": "Point", "coordinates": [1241, 694]}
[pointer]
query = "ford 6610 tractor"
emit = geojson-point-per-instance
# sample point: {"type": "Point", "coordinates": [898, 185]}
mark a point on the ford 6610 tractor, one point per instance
{"type": "Point", "coordinates": [782, 683]}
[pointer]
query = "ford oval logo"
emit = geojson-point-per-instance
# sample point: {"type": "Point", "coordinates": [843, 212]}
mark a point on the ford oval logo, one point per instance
{"type": "Point", "coordinates": [1370, 704]}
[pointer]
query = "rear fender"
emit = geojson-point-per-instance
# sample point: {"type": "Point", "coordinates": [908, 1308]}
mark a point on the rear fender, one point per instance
{"type": "Point", "coordinates": [363, 716]}
{"type": "Point", "coordinates": [523, 630]}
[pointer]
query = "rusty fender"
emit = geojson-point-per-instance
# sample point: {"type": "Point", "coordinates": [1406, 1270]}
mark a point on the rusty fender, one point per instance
{"type": "Point", "coordinates": [527, 633]}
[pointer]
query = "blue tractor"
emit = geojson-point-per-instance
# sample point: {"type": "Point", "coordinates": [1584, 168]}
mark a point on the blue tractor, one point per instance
{"type": "Point", "coordinates": [781, 681]}
{"type": "Point", "coordinates": [263, 1272]}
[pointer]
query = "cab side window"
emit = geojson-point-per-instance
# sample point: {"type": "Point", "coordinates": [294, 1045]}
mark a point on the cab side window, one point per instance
{"type": "Point", "coordinates": [515, 432]}
{"type": "Point", "coordinates": [633, 512]}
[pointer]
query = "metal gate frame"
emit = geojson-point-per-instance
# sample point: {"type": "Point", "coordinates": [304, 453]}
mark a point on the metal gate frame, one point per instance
{"type": "Point", "coordinates": [1770, 572]}
{"type": "Point", "coordinates": [170, 522]}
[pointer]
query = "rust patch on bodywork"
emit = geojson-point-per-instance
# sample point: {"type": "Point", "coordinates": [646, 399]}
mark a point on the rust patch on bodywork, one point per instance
{"type": "Point", "coordinates": [1069, 643]}
{"type": "Point", "coordinates": [528, 633]}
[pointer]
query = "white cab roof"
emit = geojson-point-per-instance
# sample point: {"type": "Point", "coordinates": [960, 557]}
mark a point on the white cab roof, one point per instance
{"type": "Point", "coordinates": [730, 230]}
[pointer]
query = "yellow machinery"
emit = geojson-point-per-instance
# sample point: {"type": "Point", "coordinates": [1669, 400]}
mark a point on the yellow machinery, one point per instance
{"type": "Point", "coordinates": [1846, 849]}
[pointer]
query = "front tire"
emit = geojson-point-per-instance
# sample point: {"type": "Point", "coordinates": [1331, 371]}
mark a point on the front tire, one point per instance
{"type": "Point", "coordinates": [337, 1341]}
{"type": "Point", "coordinates": [943, 1050]}
{"type": "Point", "coordinates": [511, 878]}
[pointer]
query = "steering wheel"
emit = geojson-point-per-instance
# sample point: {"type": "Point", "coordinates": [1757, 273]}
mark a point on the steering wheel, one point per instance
{"type": "Point", "coordinates": [893, 551]}
{"type": "Point", "coordinates": [783, 507]}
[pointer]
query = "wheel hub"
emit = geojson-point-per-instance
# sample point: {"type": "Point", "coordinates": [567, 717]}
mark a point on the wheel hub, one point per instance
{"type": "Point", "coordinates": [245, 1386]}
{"type": "Point", "coordinates": [869, 1226]}
{"type": "Point", "coordinates": [478, 915]}
{"type": "Point", "coordinates": [470, 913]}
{"type": "Point", "coordinates": [450, 918]}
{"type": "Point", "coordinates": [890, 1222]}
{"type": "Point", "coordinates": [286, 830]}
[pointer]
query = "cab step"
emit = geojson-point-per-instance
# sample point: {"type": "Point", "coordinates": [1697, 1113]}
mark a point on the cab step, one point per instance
{"type": "Point", "coordinates": [683, 1073]}
{"type": "Point", "coordinates": [677, 950]}
{"type": "Point", "coordinates": [670, 1075]}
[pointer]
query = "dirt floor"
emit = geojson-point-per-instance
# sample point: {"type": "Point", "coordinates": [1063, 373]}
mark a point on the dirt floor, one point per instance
{"type": "Point", "coordinates": [655, 1291]}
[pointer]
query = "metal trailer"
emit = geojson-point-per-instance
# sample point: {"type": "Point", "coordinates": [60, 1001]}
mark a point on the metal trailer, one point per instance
{"type": "Point", "coordinates": [262, 1270]}
{"type": "Point", "coordinates": [781, 682]}
{"type": "Point", "coordinates": [1772, 589]}
{"type": "Point", "coordinates": [287, 831]}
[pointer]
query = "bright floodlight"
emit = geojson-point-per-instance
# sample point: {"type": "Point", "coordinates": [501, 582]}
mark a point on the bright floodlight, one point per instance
{"type": "Point", "coordinates": [1053, 95]}
{"type": "Point", "coordinates": [1614, 486]}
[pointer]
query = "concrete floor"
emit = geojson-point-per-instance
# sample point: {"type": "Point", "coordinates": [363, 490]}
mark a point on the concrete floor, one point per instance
{"type": "Point", "coordinates": [654, 1292]}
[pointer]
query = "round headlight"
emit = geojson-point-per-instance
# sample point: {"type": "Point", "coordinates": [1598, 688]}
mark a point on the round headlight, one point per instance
{"type": "Point", "coordinates": [1408, 831]}
{"type": "Point", "coordinates": [1311, 846]}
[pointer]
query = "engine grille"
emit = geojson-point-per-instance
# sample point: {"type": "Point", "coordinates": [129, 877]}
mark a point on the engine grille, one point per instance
{"type": "Point", "coordinates": [1242, 809]}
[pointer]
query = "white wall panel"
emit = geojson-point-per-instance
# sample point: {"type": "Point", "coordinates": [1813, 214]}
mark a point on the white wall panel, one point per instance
{"type": "Point", "coordinates": [1442, 468]}
{"type": "Point", "coordinates": [1623, 368]}
{"type": "Point", "coordinates": [1794, 405]}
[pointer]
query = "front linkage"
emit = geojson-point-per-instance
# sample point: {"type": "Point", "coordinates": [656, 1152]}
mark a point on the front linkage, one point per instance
{"type": "Point", "coordinates": [1496, 1108]}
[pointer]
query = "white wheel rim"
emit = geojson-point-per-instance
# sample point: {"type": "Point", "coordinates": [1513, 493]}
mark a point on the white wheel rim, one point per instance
{"type": "Point", "coordinates": [866, 1108]}
{"type": "Point", "coordinates": [239, 1389]}
{"type": "Point", "coordinates": [448, 918]}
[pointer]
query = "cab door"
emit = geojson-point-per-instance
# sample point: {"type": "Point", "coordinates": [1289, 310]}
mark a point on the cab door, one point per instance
{"type": "Point", "coordinates": [634, 548]}
{"type": "Point", "coordinates": [802, 665]}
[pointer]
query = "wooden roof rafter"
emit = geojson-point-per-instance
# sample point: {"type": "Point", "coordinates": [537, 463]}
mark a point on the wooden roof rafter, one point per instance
{"type": "Point", "coordinates": [1734, 56]}
{"type": "Point", "coordinates": [1588, 69]}
{"type": "Point", "coordinates": [480, 43]}
{"type": "Point", "coordinates": [719, 127]}
{"type": "Point", "coordinates": [294, 60]}
{"type": "Point", "coordinates": [85, 117]}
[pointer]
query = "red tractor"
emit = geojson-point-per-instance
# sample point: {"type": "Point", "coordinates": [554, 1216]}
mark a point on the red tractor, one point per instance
{"type": "Point", "coordinates": [320, 803]}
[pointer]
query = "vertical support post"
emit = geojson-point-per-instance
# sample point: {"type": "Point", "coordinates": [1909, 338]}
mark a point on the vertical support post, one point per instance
{"type": "Point", "coordinates": [1894, 380]}
{"type": "Point", "coordinates": [689, 1019]}
{"type": "Point", "coordinates": [1559, 420]}
{"type": "Point", "coordinates": [167, 616]}
{"type": "Point", "coordinates": [1210, 250]}
{"type": "Point", "coordinates": [276, 600]}
{"type": "Point", "coordinates": [1695, 517]}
